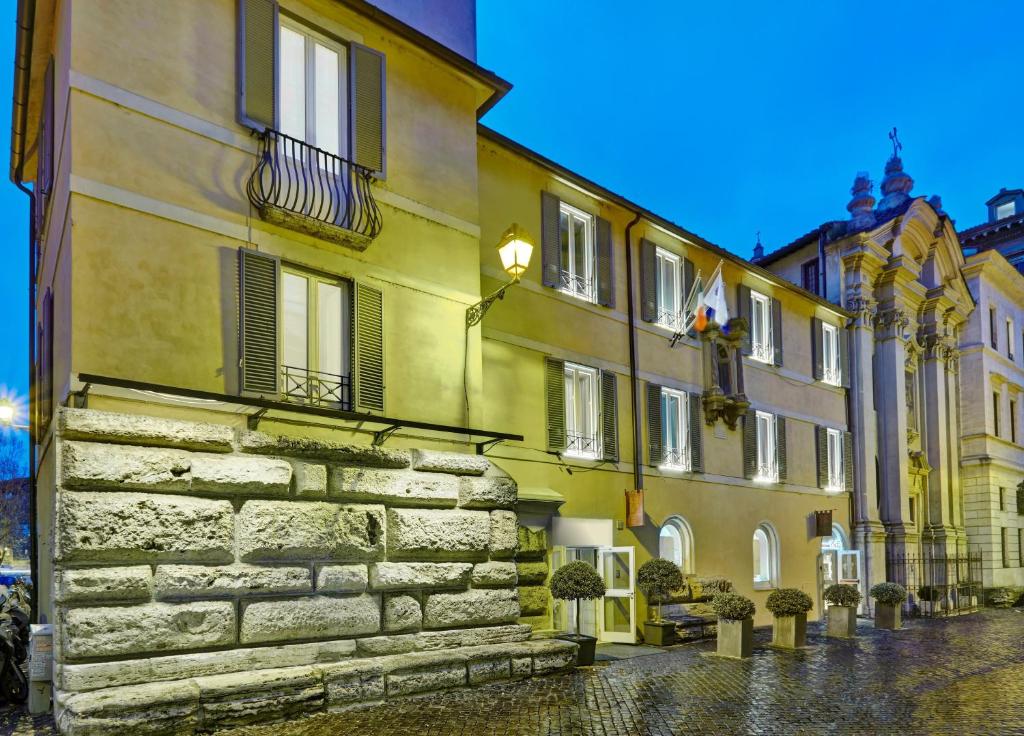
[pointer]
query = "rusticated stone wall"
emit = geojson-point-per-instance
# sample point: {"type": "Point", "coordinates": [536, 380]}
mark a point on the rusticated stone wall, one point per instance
{"type": "Point", "coordinates": [206, 576]}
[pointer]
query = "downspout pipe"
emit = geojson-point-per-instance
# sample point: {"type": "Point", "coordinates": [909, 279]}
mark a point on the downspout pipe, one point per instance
{"type": "Point", "coordinates": [821, 263]}
{"type": "Point", "coordinates": [19, 125]}
{"type": "Point", "coordinates": [638, 476]}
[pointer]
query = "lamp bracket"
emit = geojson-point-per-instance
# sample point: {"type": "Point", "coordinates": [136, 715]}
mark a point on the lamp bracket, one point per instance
{"type": "Point", "coordinates": [476, 312]}
{"type": "Point", "coordinates": [483, 447]}
{"type": "Point", "coordinates": [381, 436]}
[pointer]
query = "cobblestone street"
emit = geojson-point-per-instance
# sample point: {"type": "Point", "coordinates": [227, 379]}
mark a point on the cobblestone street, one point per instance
{"type": "Point", "coordinates": [961, 676]}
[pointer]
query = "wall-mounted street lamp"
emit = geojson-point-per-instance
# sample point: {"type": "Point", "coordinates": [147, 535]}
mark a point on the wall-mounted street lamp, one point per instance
{"type": "Point", "coordinates": [514, 249]}
{"type": "Point", "coordinates": [7, 414]}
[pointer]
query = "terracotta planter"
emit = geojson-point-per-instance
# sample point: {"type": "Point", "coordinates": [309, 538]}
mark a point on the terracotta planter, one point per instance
{"type": "Point", "coordinates": [659, 633]}
{"type": "Point", "coordinates": [790, 631]}
{"type": "Point", "coordinates": [887, 617]}
{"type": "Point", "coordinates": [842, 622]}
{"type": "Point", "coordinates": [736, 638]}
{"type": "Point", "coordinates": [586, 646]}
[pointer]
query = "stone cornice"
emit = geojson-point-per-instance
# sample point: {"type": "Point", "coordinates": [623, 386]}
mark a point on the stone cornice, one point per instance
{"type": "Point", "coordinates": [994, 268]}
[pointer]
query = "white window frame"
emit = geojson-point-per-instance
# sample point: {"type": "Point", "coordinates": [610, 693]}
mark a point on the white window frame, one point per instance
{"type": "Point", "coordinates": [832, 372]}
{"type": "Point", "coordinates": [676, 458]}
{"type": "Point", "coordinates": [767, 470]}
{"type": "Point", "coordinates": [670, 302]}
{"type": "Point", "coordinates": [578, 279]}
{"type": "Point", "coordinates": [679, 530]}
{"type": "Point", "coordinates": [836, 469]}
{"type": "Point", "coordinates": [579, 443]}
{"type": "Point", "coordinates": [766, 574]}
{"type": "Point", "coordinates": [762, 339]}
{"type": "Point", "coordinates": [1006, 209]}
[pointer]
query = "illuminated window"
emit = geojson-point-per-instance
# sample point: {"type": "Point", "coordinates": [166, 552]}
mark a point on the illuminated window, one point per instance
{"type": "Point", "coordinates": [767, 457]}
{"type": "Point", "coordinates": [762, 342]}
{"type": "Point", "coordinates": [830, 354]}
{"type": "Point", "coordinates": [577, 237]}
{"type": "Point", "coordinates": [766, 557]}
{"type": "Point", "coordinates": [675, 417]}
{"type": "Point", "coordinates": [581, 411]}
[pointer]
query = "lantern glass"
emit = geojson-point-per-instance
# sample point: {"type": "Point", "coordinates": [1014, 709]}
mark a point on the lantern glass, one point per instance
{"type": "Point", "coordinates": [6, 413]}
{"type": "Point", "coordinates": [515, 249]}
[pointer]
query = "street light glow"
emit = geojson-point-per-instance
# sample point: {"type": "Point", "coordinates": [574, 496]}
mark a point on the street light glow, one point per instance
{"type": "Point", "coordinates": [6, 413]}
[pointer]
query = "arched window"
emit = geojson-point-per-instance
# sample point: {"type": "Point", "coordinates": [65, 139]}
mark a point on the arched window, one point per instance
{"type": "Point", "coordinates": [766, 557]}
{"type": "Point", "coordinates": [675, 543]}
{"type": "Point", "coordinates": [836, 542]}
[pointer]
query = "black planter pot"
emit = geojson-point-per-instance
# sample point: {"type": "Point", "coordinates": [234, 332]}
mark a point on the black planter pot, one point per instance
{"type": "Point", "coordinates": [659, 633]}
{"type": "Point", "coordinates": [587, 646]}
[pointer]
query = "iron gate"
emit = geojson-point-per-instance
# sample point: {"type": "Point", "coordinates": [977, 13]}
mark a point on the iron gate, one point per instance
{"type": "Point", "coordinates": [938, 584]}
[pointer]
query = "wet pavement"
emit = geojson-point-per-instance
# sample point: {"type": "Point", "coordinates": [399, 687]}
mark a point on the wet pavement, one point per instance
{"type": "Point", "coordinates": [956, 676]}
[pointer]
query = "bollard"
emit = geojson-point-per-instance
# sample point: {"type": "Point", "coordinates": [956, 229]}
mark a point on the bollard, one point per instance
{"type": "Point", "coordinates": [40, 668]}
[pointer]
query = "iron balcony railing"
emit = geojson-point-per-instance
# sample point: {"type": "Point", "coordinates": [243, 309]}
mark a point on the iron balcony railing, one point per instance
{"type": "Point", "coordinates": [577, 285]}
{"type": "Point", "coordinates": [310, 183]}
{"type": "Point", "coordinates": [304, 386]}
{"type": "Point", "coordinates": [582, 444]}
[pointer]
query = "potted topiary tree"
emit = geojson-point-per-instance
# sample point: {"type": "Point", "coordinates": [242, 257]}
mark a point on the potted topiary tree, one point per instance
{"type": "Point", "coordinates": [657, 578]}
{"type": "Point", "coordinates": [790, 607]}
{"type": "Point", "coordinates": [843, 600]}
{"type": "Point", "coordinates": [575, 582]}
{"type": "Point", "coordinates": [735, 624]}
{"type": "Point", "coordinates": [889, 598]}
{"type": "Point", "coordinates": [929, 599]}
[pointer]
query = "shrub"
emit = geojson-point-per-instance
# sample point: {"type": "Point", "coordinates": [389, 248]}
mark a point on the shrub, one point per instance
{"type": "Point", "coordinates": [732, 606]}
{"type": "Point", "coordinates": [788, 602]}
{"type": "Point", "coordinates": [889, 594]}
{"type": "Point", "coordinates": [575, 581]}
{"type": "Point", "coordinates": [841, 594]}
{"type": "Point", "coordinates": [657, 578]}
{"type": "Point", "coordinates": [710, 587]}
{"type": "Point", "coordinates": [1003, 597]}
{"type": "Point", "coordinates": [929, 594]}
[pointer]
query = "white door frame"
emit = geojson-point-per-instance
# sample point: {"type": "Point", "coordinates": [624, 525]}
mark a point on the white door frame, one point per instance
{"type": "Point", "coordinates": [604, 553]}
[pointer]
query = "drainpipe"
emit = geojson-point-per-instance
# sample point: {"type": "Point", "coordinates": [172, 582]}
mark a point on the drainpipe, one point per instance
{"type": "Point", "coordinates": [19, 114]}
{"type": "Point", "coordinates": [638, 476]}
{"type": "Point", "coordinates": [821, 263]}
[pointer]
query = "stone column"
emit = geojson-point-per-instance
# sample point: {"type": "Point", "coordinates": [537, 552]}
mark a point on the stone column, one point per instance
{"type": "Point", "coordinates": [939, 524]}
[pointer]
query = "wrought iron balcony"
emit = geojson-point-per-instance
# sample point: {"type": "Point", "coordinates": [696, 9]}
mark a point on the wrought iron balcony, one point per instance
{"type": "Point", "coordinates": [583, 445]}
{"type": "Point", "coordinates": [306, 188]}
{"type": "Point", "coordinates": [315, 388]}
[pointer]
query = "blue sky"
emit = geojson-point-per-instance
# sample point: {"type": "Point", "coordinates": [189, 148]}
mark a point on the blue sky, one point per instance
{"type": "Point", "coordinates": [727, 118]}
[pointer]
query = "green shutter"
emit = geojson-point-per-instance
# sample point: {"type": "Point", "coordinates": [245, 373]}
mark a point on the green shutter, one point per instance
{"type": "Point", "coordinates": [259, 279]}
{"type": "Point", "coordinates": [610, 416]}
{"type": "Point", "coordinates": [369, 353]}
{"type": "Point", "coordinates": [743, 310]}
{"type": "Point", "coordinates": [655, 426]}
{"type": "Point", "coordinates": [648, 281]}
{"type": "Point", "coordinates": [848, 461]}
{"type": "Point", "coordinates": [750, 444]}
{"type": "Point", "coordinates": [257, 63]}
{"type": "Point", "coordinates": [605, 264]}
{"type": "Point", "coordinates": [780, 446]}
{"type": "Point", "coordinates": [367, 108]}
{"type": "Point", "coordinates": [554, 394]}
{"type": "Point", "coordinates": [821, 450]}
{"type": "Point", "coordinates": [817, 348]}
{"type": "Point", "coordinates": [551, 239]}
{"type": "Point", "coordinates": [777, 330]}
{"type": "Point", "coordinates": [696, 436]}
{"type": "Point", "coordinates": [844, 356]}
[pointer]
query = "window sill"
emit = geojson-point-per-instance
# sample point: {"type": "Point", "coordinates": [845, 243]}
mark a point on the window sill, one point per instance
{"type": "Point", "coordinates": [575, 455]}
{"type": "Point", "coordinates": [674, 469]}
{"type": "Point", "coordinates": [586, 298]}
{"type": "Point", "coordinates": [766, 480]}
{"type": "Point", "coordinates": [763, 585]}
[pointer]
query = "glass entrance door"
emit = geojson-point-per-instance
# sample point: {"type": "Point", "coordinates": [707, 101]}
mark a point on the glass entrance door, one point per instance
{"type": "Point", "coordinates": [617, 610]}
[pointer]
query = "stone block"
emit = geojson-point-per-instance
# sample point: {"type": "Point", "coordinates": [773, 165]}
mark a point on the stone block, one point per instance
{"type": "Point", "coordinates": [415, 575]}
{"type": "Point", "coordinates": [341, 579]}
{"type": "Point", "coordinates": [521, 667]}
{"type": "Point", "coordinates": [504, 540]}
{"type": "Point", "coordinates": [103, 585]}
{"type": "Point", "coordinates": [140, 527]}
{"type": "Point", "coordinates": [532, 573]}
{"type": "Point", "coordinates": [489, 670]}
{"type": "Point", "coordinates": [425, 641]}
{"type": "Point", "coordinates": [402, 613]}
{"type": "Point", "coordinates": [248, 697]}
{"type": "Point", "coordinates": [137, 429]}
{"type": "Point", "coordinates": [494, 573]}
{"type": "Point", "coordinates": [426, 679]}
{"type": "Point", "coordinates": [200, 581]}
{"type": "Point", "coordinates": [240, 474]}
{"type": "Point", "coordinates": [309, 480]}
{"type": "Point", "coordinates": [304, 530]}
{"type": "Point", "coordinates": [489, 492]}
{"type": "Point", "coordinates": [533, 544]}
{"type": "Point", "coordinates": [155, 708]}
{"type": "Point", "coordinates": [477, 607]}
{"type": "Point", "coordinates": [457, 463]}
{"type": "Point", "coordinates": [318, 617]}
{"type": "Point", "coordinates": [556, 655]}
{"type": "Point", "coordinates": [94, 466]}
{"type": "Point", "coordinates": [358, 681]}
{"type": "Point", "coordinates": [394, 487]}
{"type": "Point", "coordinates": [318, 449]}
{"type": "Point", "coordinates": [96, 675]}
{"type": "Point", "coordinates": [533, 600]}
{"type": "Point", "coordinates": [437, 534]}
{"type": "Point", "coordinates": [152, 627]}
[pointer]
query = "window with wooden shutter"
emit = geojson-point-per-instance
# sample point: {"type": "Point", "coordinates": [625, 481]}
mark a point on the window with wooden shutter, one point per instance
{"type": "Point", "coordinates": [689, 275]}
{"type": "Point", "coordinates": [369, 353]}
{"type": "Point", "coordinates": [550, 240]}
{"type": "Point", "coordinates": [780, 448]}
{"type": "Point", "coordinates": [367, 106]}
{"type": "Point", "coordinates": [648, 281]}
{"type": "Point", "coordinates": [259, 279]}
{"type": "Point", "coordinates": [848, 461]}
{"type": "Point", "coordinates": [609, 416]}
{"type": "Point", "coordinates": [743, 309]}
{"type": "Point", "coordinates": [696, 435]}
{"type": "Point", "coordinates": [605, 263]}
{"type": "Point", "coordinates": [45, 388]}
{"type": "Point", "coordinates": [821, 453]}
{"type": "Point", "coordinates": [817, 348]}
{"type": "Point", "coordinates": [257, 63]}
{"type": "Point", "coordinates": [750, 444]}
{"type": "Point", "coordinates": [845, 368]}
{"type": "Point", "coordinates": [554, 395]}
{"type": "Point", "coordinates": [655, 443]}
{"type": "Point", "coordinates": [44, 155]}
{"type": "Point", "coordinates": [777, 329]}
